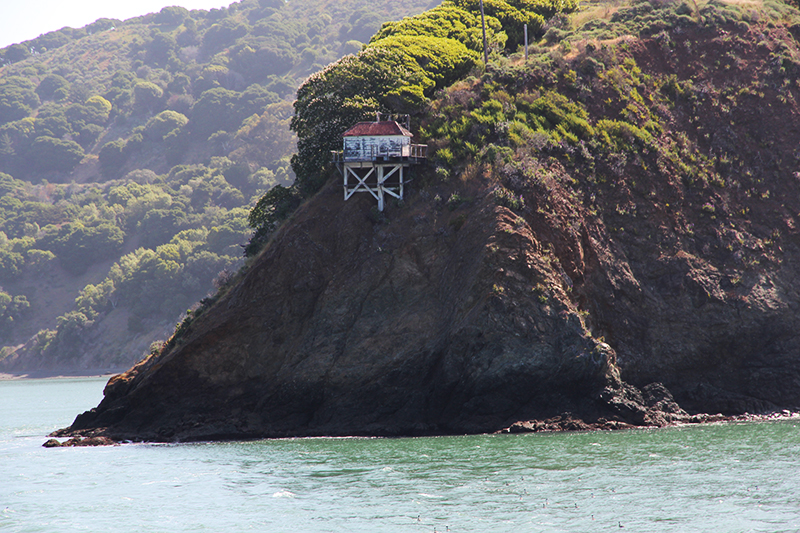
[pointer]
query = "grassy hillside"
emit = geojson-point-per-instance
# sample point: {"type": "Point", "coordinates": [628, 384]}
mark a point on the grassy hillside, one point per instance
{"type": "Point", "coordinates": [130, 155]}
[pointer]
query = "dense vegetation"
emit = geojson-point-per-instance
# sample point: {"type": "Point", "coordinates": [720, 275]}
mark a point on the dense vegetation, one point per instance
{"type": "Point", "coordinates": [586, 112]}
{"type": "Point", "coordinates": [397, 72]}
{"type": "Point", "coordinates": [131, 153]}
{"type": "Point", "coordinates": [581, 101]}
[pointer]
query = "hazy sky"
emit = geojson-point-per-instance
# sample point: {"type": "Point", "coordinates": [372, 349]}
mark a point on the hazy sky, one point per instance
{"type": "Point", "coordinates": [21, 20]}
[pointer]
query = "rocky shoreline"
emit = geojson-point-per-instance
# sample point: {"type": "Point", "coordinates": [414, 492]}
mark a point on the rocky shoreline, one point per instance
{"type": "Point", "coordinates": [80, 441]}
{"type": "Point", "coordinates": [566, 422]}
{"type": "Point", "coordinates": [562, 423]}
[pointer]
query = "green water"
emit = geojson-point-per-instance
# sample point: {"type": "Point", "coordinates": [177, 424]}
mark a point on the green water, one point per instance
{"type": "Point", "coordinates": [715, 478]}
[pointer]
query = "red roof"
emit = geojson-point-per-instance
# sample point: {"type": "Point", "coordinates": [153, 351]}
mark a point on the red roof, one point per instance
{"type": "Point", "coordinates": [371, 129]}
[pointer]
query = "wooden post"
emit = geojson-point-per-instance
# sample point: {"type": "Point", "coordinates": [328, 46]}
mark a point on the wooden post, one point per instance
{"type": "Point", "coordinates": [380, 188]}
{"type": "Point", "coordinates": [401, 182]}
{"type": "Point", "coordinates": [485, 49]}
{"type": "Point", "coordinates": [526, 43]}
{"type": "Point", "coordinates": [346, 171]}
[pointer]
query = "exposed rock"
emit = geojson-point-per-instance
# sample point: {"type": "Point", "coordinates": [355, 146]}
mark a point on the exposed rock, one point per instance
{"type": "Point", "coordinates": [343, 327]}
{"type": "Point", "coordinates": [652, 406]}
{"type": "Point", "coordinates": [78, 441]}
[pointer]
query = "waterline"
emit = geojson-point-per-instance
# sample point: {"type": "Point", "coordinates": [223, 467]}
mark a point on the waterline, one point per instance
{"type": "Point", "coordinates": [717, 477]}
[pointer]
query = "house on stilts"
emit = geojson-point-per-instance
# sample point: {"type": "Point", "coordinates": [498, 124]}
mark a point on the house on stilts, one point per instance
{"type": "Point", "coordinates": [376, 157]}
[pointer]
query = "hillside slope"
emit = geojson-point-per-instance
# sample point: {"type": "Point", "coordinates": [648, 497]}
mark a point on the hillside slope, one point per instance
{"type": "Point", "coordinates": [613, 221]}
{"type": "Point", "coordinates": [130, 155]}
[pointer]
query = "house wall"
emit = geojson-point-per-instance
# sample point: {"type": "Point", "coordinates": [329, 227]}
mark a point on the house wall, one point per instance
{"type": "Point", "coordinates": [370, 147]}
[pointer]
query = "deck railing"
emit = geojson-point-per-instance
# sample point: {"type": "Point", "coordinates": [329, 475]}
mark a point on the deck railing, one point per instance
{"type": "Point", "coordinates": [413, 152]}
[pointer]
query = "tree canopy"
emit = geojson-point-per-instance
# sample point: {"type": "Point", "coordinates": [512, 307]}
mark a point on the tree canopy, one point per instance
{"type": "Point", "coordinates": [398, 71]}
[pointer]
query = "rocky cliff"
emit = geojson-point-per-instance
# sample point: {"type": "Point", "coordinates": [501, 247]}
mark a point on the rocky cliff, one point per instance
{"type": "Point", "coordinates": [347, 325]}
{"type": "Point", "coordinates": [647, 252]}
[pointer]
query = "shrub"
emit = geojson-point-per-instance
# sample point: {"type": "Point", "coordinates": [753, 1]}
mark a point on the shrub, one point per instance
{"type": "Point", "coordinates": [50, 85]}
{"type": "Point", "coordinates": [112, 157]}
{"type": "Point", "coordinates": [506, 198]}
{"type": "Point", "coordinates": [163, 124]}
{"type": "Point", "coordinates": [147, 96]}
{"type": "Point", "coordinates": [47, 154]}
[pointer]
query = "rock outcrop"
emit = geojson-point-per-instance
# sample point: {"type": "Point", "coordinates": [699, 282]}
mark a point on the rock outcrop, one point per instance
{"type": "Point", "coordinates": [351, 326]}
{"type": "Point", "coordinates": [432, 321]}
{"type": "Point", "coordinates": [616, 292]}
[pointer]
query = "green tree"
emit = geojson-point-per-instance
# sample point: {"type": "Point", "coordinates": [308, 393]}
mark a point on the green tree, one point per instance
{"type": "Point", "coordinates": [98, 109]}
{"type": "Point", "coordinates": [277, 204]}
{"type": "Point", "coordinates": [94, 110]}
{"type": "Point", "coordinates": [112, 157]}
{"type": "Point", "coordinates": [48, 154]}
{"type": "Point", "coordinates": [514, 14]}
{"type": "Point", "coordinates": [101, 24]}
{"type": "Point", "coordinates": [147, 96]}
{"type": "Point", "coordinates": [38, 260]}
{"type": "Point", "coordinates": [78, 245]}
{"type": "Point", "coordinates": [55, 125]}
{"type": "Point", "coordinates": [215, 110]}
{"type": "Point", "coordinates": [11, 263]}
{"type": "Point", "coordinates": [16, 52]}
{"type": "Point", "coordinates": [163, 124]}
{"type": "Point", "coordinates": [258, 60]}
{"type": "Point", "coordinates": [171, 15]}
{"type": "Point", "coordinates": [395, 74]}
{"type": "Point", "coordinates": [17, 98]}
{"type": "Point", "coordinates": [50, 85]}
{"type": "Point", "coordinates": [223, 34]}
{"type": "Point", "coordinates": [161, 49]}
{"type": "Point", "coordinates": [446, 21]}
{"type": "Point", "coordinates": [88, 134]}
{"type": "Point", "coordinates": [159, 225]}
{"type": "Point", "coordinates": [11, 309]}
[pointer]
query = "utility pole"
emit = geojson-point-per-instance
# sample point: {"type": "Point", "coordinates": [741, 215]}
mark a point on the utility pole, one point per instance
{"type": "Point", "coordinates": [485, 50]}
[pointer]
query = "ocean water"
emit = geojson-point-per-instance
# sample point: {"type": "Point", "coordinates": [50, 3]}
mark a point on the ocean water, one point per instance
{"type": "Point", "coordinates": [715, 478]}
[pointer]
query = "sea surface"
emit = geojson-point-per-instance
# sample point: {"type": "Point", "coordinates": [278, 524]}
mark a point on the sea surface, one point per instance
{"type": "Point", "coordinates": [718, 478]}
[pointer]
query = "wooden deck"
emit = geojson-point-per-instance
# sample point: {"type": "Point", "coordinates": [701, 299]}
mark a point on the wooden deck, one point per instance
{"type": "Point", "coordinates": [412, 154]}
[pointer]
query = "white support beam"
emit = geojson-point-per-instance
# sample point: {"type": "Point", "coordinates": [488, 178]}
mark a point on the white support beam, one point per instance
{"type": "Point", "coordinates": [360, 183]}
{"type": "Point", "coordinates": [380, 189]}
{"type": "Point", "coordinates": [394, 169]}
{"type": "Point", "coordinates": [402, 185]}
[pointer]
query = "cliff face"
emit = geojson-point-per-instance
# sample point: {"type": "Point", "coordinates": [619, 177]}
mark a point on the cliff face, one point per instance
{"type": "Point", "coordinates": [439, 321]}
{"type": "Point", "coordinates": [350, 326]}
{"type": "Point", "coordinates": [711, 307]}
{"type": "Point", "coordinates": [672, 266]}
